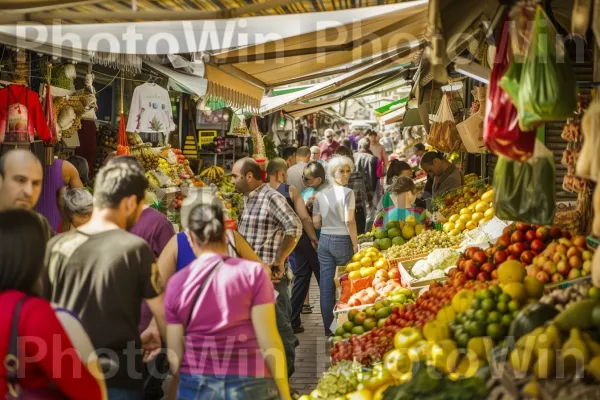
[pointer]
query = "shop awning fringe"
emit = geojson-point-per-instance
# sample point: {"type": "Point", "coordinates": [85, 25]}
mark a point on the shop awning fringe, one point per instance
{"type": "Point", "coordinates": [127, 62]}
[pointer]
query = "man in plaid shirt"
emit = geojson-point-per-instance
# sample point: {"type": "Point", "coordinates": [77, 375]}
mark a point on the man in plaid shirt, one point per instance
{"type": "Point", "coordinates": [272, 229]}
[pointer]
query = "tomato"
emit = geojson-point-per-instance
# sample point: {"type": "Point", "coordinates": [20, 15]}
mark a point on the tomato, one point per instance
{"type": "Point", "coordinates": [395, 309]}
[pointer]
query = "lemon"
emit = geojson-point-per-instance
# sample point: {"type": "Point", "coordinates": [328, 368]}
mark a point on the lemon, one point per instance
{"type": "Point", "coordinates": [454, 218]}
{"type": "Point", "coordinates": [477, 217]}
{"type": "Point", "coordinates": [464, 211]}
{"type": "Point", "coordinates": [489, 213]}
{"type": "Point", "coordinates": [465, 218]}
{"type": "Point", "coordinates": [460, 225]}
{"type": "Point", "coordinates": [448, 226]}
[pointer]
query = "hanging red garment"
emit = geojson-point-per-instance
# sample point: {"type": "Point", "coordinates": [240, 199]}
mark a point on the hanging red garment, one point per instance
{"type": "Point", "coordinates": [21, 115]}
{"type": "Point", "coordinates": [122, 143]}
{"type": "Point", "coordinates": [50, 118]}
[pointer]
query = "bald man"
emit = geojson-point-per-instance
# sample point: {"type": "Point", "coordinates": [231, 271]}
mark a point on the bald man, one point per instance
{"type": "Point", "coordinates": [21, 176]}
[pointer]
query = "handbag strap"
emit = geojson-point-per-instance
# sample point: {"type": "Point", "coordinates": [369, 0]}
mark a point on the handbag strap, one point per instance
{"type": "Point", "coordinates": [214, 270]}
{"type": "Point", "coordinates": [11, 360]}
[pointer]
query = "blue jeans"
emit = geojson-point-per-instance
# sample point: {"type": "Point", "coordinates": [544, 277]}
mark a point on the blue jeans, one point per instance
{"type": "Point", "coordinates": [333, 250]}
{"type": "Point", "coordinates": [205, 387]}
{"type": "Point", "coordinates": [123, 394]}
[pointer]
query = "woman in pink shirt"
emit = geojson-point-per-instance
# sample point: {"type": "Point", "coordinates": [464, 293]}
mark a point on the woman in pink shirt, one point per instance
{"type": "Point", "coordinates": [221, 331]}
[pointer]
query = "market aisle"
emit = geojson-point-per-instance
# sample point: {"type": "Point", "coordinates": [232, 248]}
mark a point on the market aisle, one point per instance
{"type": "Point", "coordinates": [312, 355]}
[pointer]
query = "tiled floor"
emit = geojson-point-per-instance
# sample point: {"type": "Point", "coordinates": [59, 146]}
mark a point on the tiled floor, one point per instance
{"type": "Point", "coordinates": [312, 355]}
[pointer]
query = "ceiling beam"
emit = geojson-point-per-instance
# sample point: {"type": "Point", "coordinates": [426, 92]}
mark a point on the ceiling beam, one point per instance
{"type": "Point", "coordinates": [16, 12]}
{"type": "Point", "coordinates": [158, 15]}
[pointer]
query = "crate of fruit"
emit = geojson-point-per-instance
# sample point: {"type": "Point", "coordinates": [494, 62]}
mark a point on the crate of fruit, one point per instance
{"type": "Point", "coordinates": [452, 202]}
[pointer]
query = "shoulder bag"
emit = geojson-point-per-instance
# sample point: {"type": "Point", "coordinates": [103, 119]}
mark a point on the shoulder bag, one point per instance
{"type": "Point", "coordinates": [11, 364]}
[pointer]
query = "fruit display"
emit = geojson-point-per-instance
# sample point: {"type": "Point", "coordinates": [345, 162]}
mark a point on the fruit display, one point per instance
{"type": "Point", "coordinates": [470, 217]}
{"type": "Point", "coordinates": [434, 265]}
{"type": "Point", "coordinates": [423, 244]}
{"type": "Point", "coordinates": [564, 298]}
{"type": "Point", "coordinates": [213, 174]}
{"type": "Point", "coordinates": [452, 202]}
{"type": "Point", "coordinates": [338, 380]}
{"type": "Point", "coordinates": [367, 262]}
{"type": "Point", "coordinates": [368, 237]}
{"type": "Point", "coordinates": [475, 264]}
{"type": "Point", "coordinates": [490, 315]}
{"type": "Point", "coordinates": [232, 200]}
{"type": "Point", "coordinates": [396, 233]}
{"type": "Point", "coordinates": [146, 156]}
{"type": "Point", "coordinates": [563, 259]}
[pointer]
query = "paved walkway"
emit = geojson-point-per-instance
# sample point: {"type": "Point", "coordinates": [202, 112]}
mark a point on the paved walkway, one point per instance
{"type": "Point", "coordinates": [312, 355]}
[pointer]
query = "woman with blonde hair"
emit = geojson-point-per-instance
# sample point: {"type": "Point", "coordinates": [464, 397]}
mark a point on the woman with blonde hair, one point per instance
{"type": "Point", "coordinates": [333, 214]}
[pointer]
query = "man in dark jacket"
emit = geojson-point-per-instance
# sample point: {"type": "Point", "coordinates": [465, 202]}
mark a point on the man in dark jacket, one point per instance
{"type": "Point", "coordinates": [366, 164]}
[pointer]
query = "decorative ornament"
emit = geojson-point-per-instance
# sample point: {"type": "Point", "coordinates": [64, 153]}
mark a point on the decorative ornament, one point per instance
{"type": "Point", "coordinates": [122, 143]}
{"type": "Point", "coordinates": [67, 114]}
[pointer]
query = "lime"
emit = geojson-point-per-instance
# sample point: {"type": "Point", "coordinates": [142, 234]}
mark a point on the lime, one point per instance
{"type": "Point", "coordinates": [369, 324]}
{"type": "Point", "coordinates": [506, 320]}
{"type": "Point", "coordinates": [494, 317]}
{"type": "Point", "coordinates": [337, 339]}
{"type": "Point", "coordinates": [496, 331]}
{"type": "Point", "coordinates": [392, 225]}
{"type": "Point", "coordinates": [398, 241]}
{"type": "Point", "coordinates": [383, 312]}
{"type": "Point", "coordinates": [378, 305]}
{"type": "Point", "coordinates": [358, 330]}
{"type": "Point", "coordinates": [348, 325]}
{"type": "Point", "coordinates": [594, 293]}
{"type": "Point", "coordinates": [460, 318]}
{"type": "Point", "coordinates": [386, 302]}
{"type": "Point", "coordinates": [385, 243]}
{"type": "Point", "coordinates": [347, 335]}
{"type": "Point", "coordinates": [462, 340]}
{"type": "Point", "coordinates": [476, 329]}
{"type": "Point", "coordinates": [476, 304]}
{"type": "Point", "coordinates": [394, 232]}
{"type": "Point", "coordinates": [340, 331]}
{"type": "Point", "coordinates": [504, 298]}
{"type": "Point", "coordinates": [481, 316]}
{"type": "Point", "coordinates": [484, 294]}
{"type": "Point", "coordinates": [513, 306]}
{"type": "Point", "coordinates": [351, 315]}
{"type": "Point", "coordinates": [496, 290]}
{"type": "Point", "coordinates": [470, 314]}
{"type": "Point", "coordinates": [380, 233]}
{"type": "Point", "coordinates": [381, 322]}
{"type": "Point", "coordinates": [502, 307]}
{"type": "Point", "coordinates": [488, 304]}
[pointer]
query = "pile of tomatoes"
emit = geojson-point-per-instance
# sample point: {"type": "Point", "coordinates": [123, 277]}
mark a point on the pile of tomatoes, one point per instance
{"type": "Point", "coordinates": [370, 347]}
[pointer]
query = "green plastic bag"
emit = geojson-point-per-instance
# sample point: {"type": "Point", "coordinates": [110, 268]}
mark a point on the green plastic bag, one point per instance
{"type": "Point", "coordinates": [510, 81]}
{"type": "Point", "coordinates": [547, 89]}
{"type": "Point", "coordinates": [526, 192]}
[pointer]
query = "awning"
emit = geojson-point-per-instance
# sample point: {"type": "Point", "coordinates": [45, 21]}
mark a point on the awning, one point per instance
{"type": "Point", "coordinates": [271, 104]}
{"type": "Point", "coordinates": [394, 116]}
{"type": "Point", "coordinates": [236, 92]}
{"type": "Point", "coordinates": [288, 60]}
{"type": "Point", "coordinates": [181, 82]}
{"type": "Point", "coordinates": [389, 106]}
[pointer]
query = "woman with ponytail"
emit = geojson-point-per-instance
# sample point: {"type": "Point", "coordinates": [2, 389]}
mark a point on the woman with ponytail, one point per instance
{"type": "Point", "coordinates": [222, 336]}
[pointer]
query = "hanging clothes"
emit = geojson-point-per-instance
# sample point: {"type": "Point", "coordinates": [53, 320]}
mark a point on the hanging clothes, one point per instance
{"type": "Point", "coordinates": [21, 115]}
{"type": "Point", "coordinates": [88, 148]}
{"type": "Point", "coordinates": [150, 110]}
{"type": "Point", "coordinates": [47, 205]}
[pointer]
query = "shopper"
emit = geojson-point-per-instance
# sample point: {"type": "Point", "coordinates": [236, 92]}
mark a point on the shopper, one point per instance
{"type": "Point", "coordinates": [397, 168]}
{"type": "Point", "coordinates": [289, 155]}
{"type": "Point", "coordinates": [103, 273]}
{"type": "Point", "coordinates": [328, 146]}
{"type": "Point", "coordinates": [377, 149]}
{"type": "Point", "coordinates": [71, 366]}
{"type": "Point", "coordinates": [61, 174]}
{"type": "Point", "coordinates": [446, 176]}
{"type": "Point", "coordinates": [82, 167]}
{"type": "Point", "coordinates": [333, 213]}
{"type": "Point", "coordinates": [222, 308]}
{"type": "Point", "coordinates": [21, 177]}
{"type": "Point", "coordinates": [366, 165]}
{"type": "Point", "coordinates": [358, 184]}
{"type": "Point", "coordinates": [303, 260]}
{"type": "Point", "coordinates": [315, 155]}
{"type": "Point", "coordinates": [315, 180]}
{"type": "Point", "coordinates": [295, 171]}
{"type": "Point", "coordinates": [272, 229]}
{"type": "Point", "coordinates": [398, 201]}
{"type": "Point", "coordinates": [78, 207]}
{"type": "Point", "coordinates": [388, 144]}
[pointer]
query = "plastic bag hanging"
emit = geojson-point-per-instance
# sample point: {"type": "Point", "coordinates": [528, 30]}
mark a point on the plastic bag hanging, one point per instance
{"type": "Point", "coordinates": [444, 135]}
{"type": "Point", "coordinates": [526, 192]}
{"type": "Point", "coordinates": [502, 134]}
{"type": "Point", "coordinates": [122, 142]}
{"type": "Point", "coordinates": [547, 89]}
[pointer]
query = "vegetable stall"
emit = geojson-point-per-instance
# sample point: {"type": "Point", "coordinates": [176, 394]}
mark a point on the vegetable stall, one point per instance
{"type": "Point", "coordinates": [490, 295]}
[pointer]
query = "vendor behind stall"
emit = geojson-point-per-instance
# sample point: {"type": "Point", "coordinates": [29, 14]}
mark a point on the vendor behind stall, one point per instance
{"type": "Point", "coordinates": [446, 176]}
{"type": "Point", "coordinates": [398, 202]}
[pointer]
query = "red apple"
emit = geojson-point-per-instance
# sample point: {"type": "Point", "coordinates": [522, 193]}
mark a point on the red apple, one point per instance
{"type": "Point", "coordinates": [563, 268]}
{"type": "Point", "coordinates": [460, 264]}
{"type": "Point", "coordinates": [500, 256]}
{"type": "Point", "coordinates": [537, 246]}
{"type": "Point", "coordinates": [530, 236]}
{"type": "Point", "coordinates": [579, 241]}
{"type": "Point", "coordinates": [542, 233]}
{"type": "Point", "coordinates": [517, 236]}
{"type": "Point", "coordinates": [490, 252]}
{"type": "Point", "coordinates": [471, 272]}
{"type": "Point", "coordinates": [487, 267]}
{"type": "Point", "coordinates": [394, 274]}
{"type": "Point", "coordinates": [526, 257]}
{"type": "Point", "coordinates": [557, 278]}
{"type": "Point", "coordinates": [495, 274]}
{"type": "Point", "coordinates": [470, 251]}
{"type": "Point", "coordinates": [504, 240]}
{"type": "Point", "coordinates": [512, 257]}
{"type": "Point", "coordinates": [479, 257]}
{"type": "Point", "coordinates": [549, 268]}
{"type": "Point", "coordinates": [542, 277]}
{"type": "Point", "coordinates": [522, 226]}
{"type": "Point", "coordinates": [573, 251]}
{"type": "Point", "coordinates": [519, 248]}
{"type": "Point", "coordinates": [575, 262]}
{"type": "Point", "coordinates": [555, 232]}
{"type": "Point", "coordinates": [452, 273]}
{"type": "Point", "coordinates": [483, 276]}
{"type": "Point", "coordinates": [508, 230]}
{"type": "Point", "coordinates": [574, 274]}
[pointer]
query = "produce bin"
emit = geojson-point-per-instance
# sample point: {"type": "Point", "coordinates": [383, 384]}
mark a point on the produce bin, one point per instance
{"type": "Point", "coordinates": [565, 284]}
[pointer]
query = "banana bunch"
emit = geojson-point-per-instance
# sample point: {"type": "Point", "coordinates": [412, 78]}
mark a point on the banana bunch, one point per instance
{"type": "Point", "coordinates": [213, 174]}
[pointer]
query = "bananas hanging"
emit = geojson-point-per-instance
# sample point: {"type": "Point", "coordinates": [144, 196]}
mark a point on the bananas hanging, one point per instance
{"type": "Point", "coordinates": [213, 174]}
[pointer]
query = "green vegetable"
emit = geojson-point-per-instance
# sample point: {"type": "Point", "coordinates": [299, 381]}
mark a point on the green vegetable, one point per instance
{"type": "Point", "coordinates": [340, 379]}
